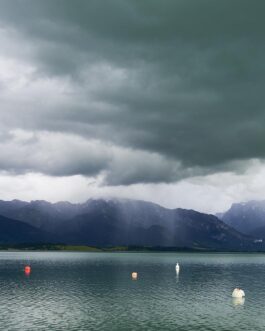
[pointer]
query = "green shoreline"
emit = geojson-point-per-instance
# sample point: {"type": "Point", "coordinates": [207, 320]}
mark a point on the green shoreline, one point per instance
{"type": "Point", "coordinates": [84, 248]}
{"type": "Point", "coordinates": [91, 249]}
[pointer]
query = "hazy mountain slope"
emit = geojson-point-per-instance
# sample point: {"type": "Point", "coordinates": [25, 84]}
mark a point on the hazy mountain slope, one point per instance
{"type": "Point", "coordinates": [16, 232]}
{"type": "Point", "coordinates": [113, 222]}
{"type": "Point", "coordinates": [208, 231]}
{"type": "Point", "coordinates": [258, 233]}
{"type": "Point", "coordinates": [246, 217]}
{"type": "Point", "coordinates": [48, 216]}
{"type": "Point", "coordinates": [140, 223]}
{"type": "Point", "coordinates": [40, 214]}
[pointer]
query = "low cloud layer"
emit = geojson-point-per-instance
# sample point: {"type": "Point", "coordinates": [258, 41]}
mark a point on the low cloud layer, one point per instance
{"type": "Point", "coordinates": [57, 154]}
{"type": "Point", "coordinates": [132, 92]}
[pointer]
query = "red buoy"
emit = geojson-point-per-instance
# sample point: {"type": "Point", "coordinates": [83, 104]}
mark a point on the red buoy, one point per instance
{"type": "Point", "coordinates": [27, 269]}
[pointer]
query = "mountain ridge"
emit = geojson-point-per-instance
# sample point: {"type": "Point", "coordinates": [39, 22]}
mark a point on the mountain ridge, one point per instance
{"type": "Point", "coordinates": [112, 222]}
{"type": "Point", "coordinates": [246, 217]}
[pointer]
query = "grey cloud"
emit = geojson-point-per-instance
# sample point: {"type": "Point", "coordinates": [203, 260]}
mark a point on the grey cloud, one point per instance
{"type": "Point", "coordinates": [56, 154]}
{"type": "Point", "coordinates": [52, 154]}
{"type": "Point", "coordinates": [182, 81]}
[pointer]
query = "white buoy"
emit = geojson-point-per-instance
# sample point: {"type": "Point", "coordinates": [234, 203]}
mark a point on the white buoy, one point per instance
{"type": "Point", "coordinates": [134, 275]}
{"type": "Point", "coordinates": [177, 268]}
{"type": "Point", "coordinates": [238, 293]}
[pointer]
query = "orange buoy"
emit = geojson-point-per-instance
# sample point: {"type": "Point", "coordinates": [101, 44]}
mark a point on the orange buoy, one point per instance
{"type": "Point", "coordinates": [134, 275]}
{"type": "Point", "coordinates": [27, 269]}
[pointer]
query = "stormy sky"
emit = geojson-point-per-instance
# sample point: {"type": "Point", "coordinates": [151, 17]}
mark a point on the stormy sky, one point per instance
{"type": "Point", "coordinates": [146, 99]}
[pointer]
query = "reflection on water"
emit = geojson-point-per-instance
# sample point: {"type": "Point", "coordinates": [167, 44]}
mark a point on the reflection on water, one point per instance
{"type": "Point", "coordinates": [95, 291]}
{"type": "Point", "coordinates": [238, 301]}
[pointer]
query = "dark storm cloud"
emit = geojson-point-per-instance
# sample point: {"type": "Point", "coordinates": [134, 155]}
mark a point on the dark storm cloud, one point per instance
{"type": "Point", "coordinates": [180, 81]}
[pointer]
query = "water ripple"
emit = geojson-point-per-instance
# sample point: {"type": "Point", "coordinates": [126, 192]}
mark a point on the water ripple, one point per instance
{"type": "Point", "coordinates": [94, 291]}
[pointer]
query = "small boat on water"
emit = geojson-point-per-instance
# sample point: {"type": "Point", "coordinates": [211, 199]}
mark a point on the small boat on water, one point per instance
{"type": "Point", "coordinates": [177, 268]}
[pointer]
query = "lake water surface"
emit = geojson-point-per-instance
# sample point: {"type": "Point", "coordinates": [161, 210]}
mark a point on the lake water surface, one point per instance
{"type": "Point", "coordinates": [94, 291]}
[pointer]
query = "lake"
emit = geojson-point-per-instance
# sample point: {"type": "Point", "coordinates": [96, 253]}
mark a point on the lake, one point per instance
{"type": "Point", "coordinates": [94, 291]}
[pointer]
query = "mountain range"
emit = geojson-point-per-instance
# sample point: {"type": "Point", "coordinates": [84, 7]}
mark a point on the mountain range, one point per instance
{"type": "Point", "coordinates": [247, 217]}
{"type": "Point", "coordinates": [124, 222]}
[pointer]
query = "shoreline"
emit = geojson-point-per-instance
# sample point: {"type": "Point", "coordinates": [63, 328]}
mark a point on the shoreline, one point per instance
{"type": "Point", "coordinates": [117, 249]}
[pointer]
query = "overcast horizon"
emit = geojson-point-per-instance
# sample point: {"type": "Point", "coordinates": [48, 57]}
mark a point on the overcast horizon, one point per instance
{"type": "Point", "coordinates": [137, 99]}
